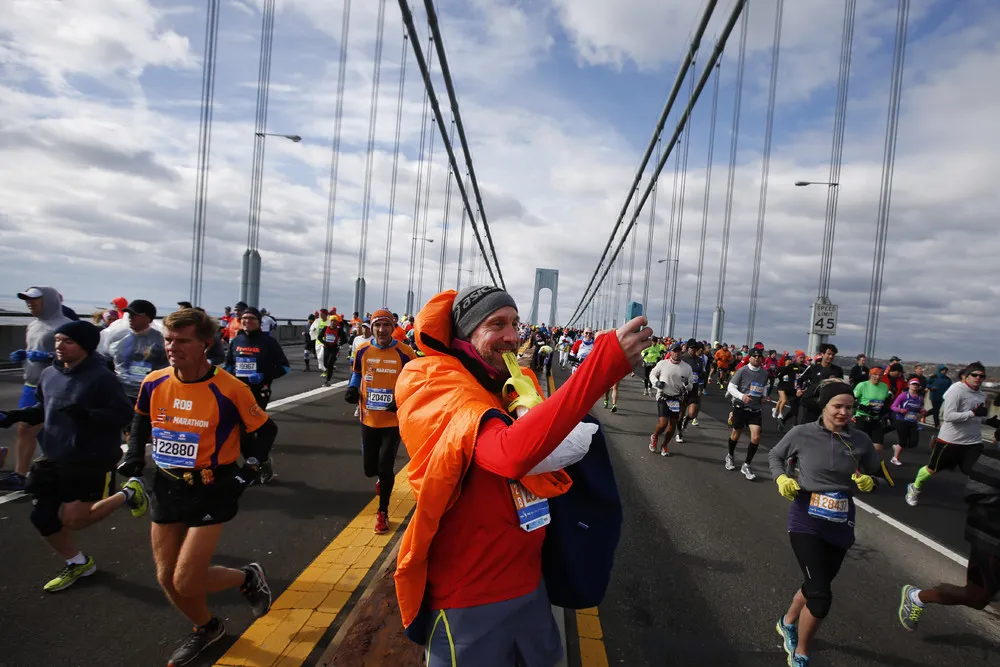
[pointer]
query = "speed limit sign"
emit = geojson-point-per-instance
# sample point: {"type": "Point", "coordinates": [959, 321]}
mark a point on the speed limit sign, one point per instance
{"type": "Point", "coordinates": [824, 319]}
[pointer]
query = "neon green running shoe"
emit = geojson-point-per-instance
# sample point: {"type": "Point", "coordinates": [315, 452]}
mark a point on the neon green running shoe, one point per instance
{"type": "Point", "coordinates": [140, 501]}
{"type": "Point", "coordinates": [69, 574]}
{"type": "Point", "coordinates": [909, 611]}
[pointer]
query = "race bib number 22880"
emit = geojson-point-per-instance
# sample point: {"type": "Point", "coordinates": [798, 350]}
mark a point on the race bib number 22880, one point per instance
{"type": "Point", "coordinates": [175, 449]}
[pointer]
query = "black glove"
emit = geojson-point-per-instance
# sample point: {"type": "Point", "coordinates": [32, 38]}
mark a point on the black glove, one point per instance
{"type": "Point", "coordinates": [76, 411]}
{"type": "Point", "coordinates": [993, 421]}
{"type": "Point", "coordinates": [248, 474]}
{"type": "Point", "coordinates": [980, 410]}
{"type": "Point", "coordinates": [352, 395]}
{"type": "Point", "coordinates": [392, 406]}
{"type": "Point", "coordinates": [131, 467]}
{"type": "Point", "coordinates": [661, 385]}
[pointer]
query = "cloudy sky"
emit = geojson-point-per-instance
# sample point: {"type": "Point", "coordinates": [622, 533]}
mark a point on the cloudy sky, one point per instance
{"type": "Point", "coordinates": [99, 123]}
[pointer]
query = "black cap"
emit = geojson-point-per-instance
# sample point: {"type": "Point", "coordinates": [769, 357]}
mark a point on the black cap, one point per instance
{"type": "Point", "coordinates": [142, 307]}
{"type": "Point", "coordinates": [182, 304]}
{"type": "Point", "coordinates": [755, 352]}
{"type": "Point", "coordinates": [674, 346]}
{"type": "Point", "coordinates": [693, 343]}
{"type": "Point", "coordinates": [252, 311]}
{"type": "Point", "coordinates": [240, 305]}
{"type": "Point", "coordinates": [83, 333]}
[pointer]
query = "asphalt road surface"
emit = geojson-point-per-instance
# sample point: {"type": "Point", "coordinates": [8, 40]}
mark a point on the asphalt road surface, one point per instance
{"type": "Point", "coordinates": [119, 616]}
{"type": "Point", "coordinates": [704, 568]}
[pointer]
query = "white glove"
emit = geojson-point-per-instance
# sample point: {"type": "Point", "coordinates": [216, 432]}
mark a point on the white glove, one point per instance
{"type": "Point", "coordinates": [570, 451]}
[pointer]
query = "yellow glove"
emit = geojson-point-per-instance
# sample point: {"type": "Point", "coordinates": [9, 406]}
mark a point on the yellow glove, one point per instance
{"type": "Point", "coordinates": [864, 482]}
{"type": "Point", "coordinates": [527, 395]}
{"type": "Point", "coordinates": [788, 487]}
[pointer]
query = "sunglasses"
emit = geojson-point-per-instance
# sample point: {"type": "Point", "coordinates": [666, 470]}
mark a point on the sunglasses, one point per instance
{"type": "Point", "coordinates": [977, 375]}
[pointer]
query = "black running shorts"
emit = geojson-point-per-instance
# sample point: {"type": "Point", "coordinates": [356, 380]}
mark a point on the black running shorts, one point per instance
{"type": "Point", "coordinates": [87, 481]}
{"type": "Point", "coordinates": [664, 411]}
{"type": "Point", "coordinates": [196, 504]}
{"type": "Point", "coordinates": [743, 418]}
{"type": "Point", "coordinates": [946, 456]}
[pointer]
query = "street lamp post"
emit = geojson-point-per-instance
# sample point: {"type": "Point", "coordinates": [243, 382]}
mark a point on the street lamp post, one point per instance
{"type": "Point", "coordinates": [409, 292]}
{"type": "Point", "coordinates": [823, 315]}
{"type": "Point", "coordinates": [250, 280]}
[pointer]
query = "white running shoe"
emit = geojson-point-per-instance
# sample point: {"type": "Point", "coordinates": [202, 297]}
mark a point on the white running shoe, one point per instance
{"type": "Point", "coordinates": [693, 422]}
{"type": "Point", "coordinates": [747, 472]}
{"type": "Point", "coordinates": [664, 452]}
{"type": "Point", "coordinates": [729, 463]}
{"type": "Point", "coordinates": [774, 413]}
{"type": "Point", "coordinates": [894, 461]}
{"type": "Point", "coordinates": [912, 495]}
{"type": "Point", "coordinates": [652, 443]}
{"type": "Point", "coordinates": [357, 412]}
{"type": "Point", "coordinates": [678, 438]}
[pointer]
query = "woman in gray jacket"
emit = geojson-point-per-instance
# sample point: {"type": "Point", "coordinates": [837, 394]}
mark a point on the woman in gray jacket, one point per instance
{"type": "Point", "coordinates": [832, 462]}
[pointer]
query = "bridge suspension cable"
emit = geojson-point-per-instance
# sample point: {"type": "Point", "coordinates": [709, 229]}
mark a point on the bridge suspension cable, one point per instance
{"type": "Point", "coordinates": [432, 96]}
{"type": "Point", "coordinates": [888, 169]}
{"type": "Point", "coordinates": [685, 115]}
{"type": "Point", "coordinates": [395, 170]}
{"type": "Point", "coordinates": [708, 196]}
{"type": "Point", "coordinates": [447, 218]}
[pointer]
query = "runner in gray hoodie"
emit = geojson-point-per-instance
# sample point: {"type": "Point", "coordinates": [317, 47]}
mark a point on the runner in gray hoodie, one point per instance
{"type": "Point", "coordinates": [45, 304]}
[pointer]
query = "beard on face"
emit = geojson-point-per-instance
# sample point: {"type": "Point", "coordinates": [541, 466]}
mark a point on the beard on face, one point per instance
{"type": "Point", "coordinates": [493, 355]}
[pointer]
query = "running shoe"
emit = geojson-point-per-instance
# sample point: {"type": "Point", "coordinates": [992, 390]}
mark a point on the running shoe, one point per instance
{"type": "Point", "coordinates": [381, 522]}
{"type": "Point", "coordinates": [11, 481]}
{"type": "Point", "coordinates": [912, 495]}
{"type": "Point", "coordinates": [896, 462]}
{"type": "Point", "coordinates": [357, 412]}
{"type": "Point", "coordinates": [729, 462]}
{"type": "Point", "coordinates": [789, 636]}
{"type": "Point", "coordinates": [748, 472]}
{"type": "Point", "coordinates": [70, 574]}
{"type": "Point", "coordinates": [199, 640]}
{"type": "Point", "coordinates": [652, 443]}
{"type": "Point", "coordinates": [255, 589]}
{"type": "Point", "coordinates": [774, 413]}
{"type": "Point", "coordinates": [614, 408]}
{"type": "Point", "coordinates": [694, 422]}
{"type": "Point", "coordinates": [139, 504]}
{"type": "Point", "coordinates": [267, 471]}
{"type": "Point", "coordinates": [909, 611]}
{"type": "Point", "coordinates": [664, 451]}
{"type": "Point", "coordinates": [678, 438]}
{"type": "Point", "coordinates": [796, 660]}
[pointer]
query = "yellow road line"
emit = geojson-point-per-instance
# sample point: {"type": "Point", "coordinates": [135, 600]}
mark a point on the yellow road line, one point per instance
{"type": "Point", "coordinates": [591, 636]}
{"type": "Point", "coordinates": [299, 618]}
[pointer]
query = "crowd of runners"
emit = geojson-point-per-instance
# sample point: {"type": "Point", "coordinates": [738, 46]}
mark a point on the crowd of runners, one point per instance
{"type": "Point", "coordinates": [194, 390]}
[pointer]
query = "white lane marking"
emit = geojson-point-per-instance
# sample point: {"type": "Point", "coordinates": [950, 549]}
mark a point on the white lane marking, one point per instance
{"type": "Point", "coordinates": [289, 400]}
{"type": "Point", "coordinates": [918, 536]}
{"type": "Point", "coordinates": [304, 396]}
{"type": "Point", "coordinates": [10, 497]}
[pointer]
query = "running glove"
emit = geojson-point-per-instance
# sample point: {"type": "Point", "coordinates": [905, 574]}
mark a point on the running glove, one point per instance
{"type": "Point", "coordinates": [660, 384]}
{"type": "Point", "coordinates": [788, 487]}
{"type": "Point", "coordinates": [17, 356]}
{"type": "Point", "coordinates": [38, 355]}
{"type": "Point", "coordinates": [255, 378]}
{"type": "Point", "coordinates": [979, 411]}
{"type": "Point", "coordinates": [131, 467]}
{"type": "Point", "coordinates": [865, 483]}
{"type": "Point", "coordinates": [352, 395]}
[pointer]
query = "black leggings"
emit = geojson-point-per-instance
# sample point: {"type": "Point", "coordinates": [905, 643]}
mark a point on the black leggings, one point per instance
{"type": "Point", "coordinates": [378, 448]}
{"type": "Point", "coordinates": [648, 369]}
{"type": "Point", "coordinates": [820, 562]}
{"type": "Point", "coordinates": [330, 353]}
{"type": "Point", "coordinates": [909, 437]}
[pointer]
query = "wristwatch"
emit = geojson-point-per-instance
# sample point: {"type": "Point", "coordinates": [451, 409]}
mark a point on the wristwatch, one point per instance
{"type": "Point", "coordinates": [253, 462]}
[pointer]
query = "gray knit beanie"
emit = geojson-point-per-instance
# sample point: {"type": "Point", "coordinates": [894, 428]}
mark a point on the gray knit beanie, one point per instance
{"type": "Point", "coordinates": [474, 304]}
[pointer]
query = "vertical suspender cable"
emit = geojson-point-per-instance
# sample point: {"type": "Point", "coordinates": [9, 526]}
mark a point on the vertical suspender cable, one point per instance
{"type": "Point", "coordinates": [395, 171]}
{"type": "Point", "coordinates": [680, 216]}
{"type": "Point", "coordinates": [670, 240]}
{"type": "Point", "coordinates": [631, 275]}
{"type": "Point", "coordinates": [708, 195]}
{"type": "Point", "coordinates": [416, 197]}
{"type": "Point", "coordinates": [461, 247]}
{"type": "Point", "coordinates": [204, 149]}
{"type": "Point", "coordinates": [447, 218]}
{"type": "Point", "coordinates": [764, 172]}
{"type": "Point", "coordinates": [888, 169]}
{"type": "Point", "coordinates": [649, 237]}
{"type": "Point", "coordinates": [338, 118]}
{"type": "Point", "coordinates": [718, 318]}
{"type": "Point", "coordinates": [366, 201]}
{"type": "Point", "coordinates": [427, 209]}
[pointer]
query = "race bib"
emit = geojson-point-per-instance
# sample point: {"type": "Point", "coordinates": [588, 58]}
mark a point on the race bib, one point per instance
{"type": "Point", "coordinates": [875, 404]}
{"type": "Point", "coordinates": [910, 416]}
{"type": "Point", "coordinates": [174, 449]}
{"type": "Point", "coordinates": [532, 511]}
{"type": "Point", "coordinates": [756, 390]}
{"type": "Point", "coordinates": [694, 377]}
{"type": "Point", "coordinates": [330, 338]}
{"type": "Point", "coordinates": [832, 506]}
{"type": "Point", "coordinates": [140, 369]}
{"type": "Point", "coordinates": [674, 405]}
{"type": "Point", "coordinates": [245, 366]}
{"type": "Point", "coordinates": [378, 399]}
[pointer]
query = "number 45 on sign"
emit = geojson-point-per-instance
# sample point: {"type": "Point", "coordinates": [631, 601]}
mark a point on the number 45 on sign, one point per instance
{"type": "Point", "coordinates": [824, 319]}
